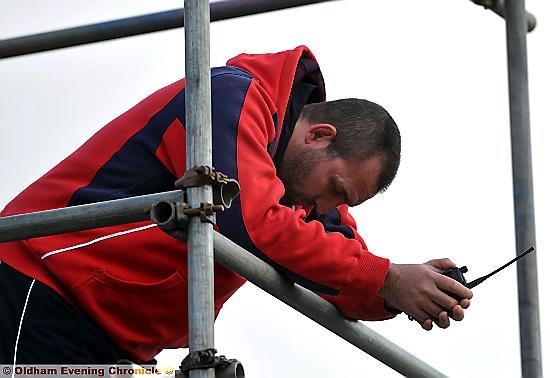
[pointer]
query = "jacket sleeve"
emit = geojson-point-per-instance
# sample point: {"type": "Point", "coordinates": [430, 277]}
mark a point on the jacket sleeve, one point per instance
{"type": "Point", "coordinates": [352, 306]}
{"type": "Point", "coordinates": [244, 125]}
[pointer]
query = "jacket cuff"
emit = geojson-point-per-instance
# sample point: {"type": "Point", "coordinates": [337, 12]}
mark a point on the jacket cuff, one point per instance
{"type": "Point", "coordinates": [368, 276]}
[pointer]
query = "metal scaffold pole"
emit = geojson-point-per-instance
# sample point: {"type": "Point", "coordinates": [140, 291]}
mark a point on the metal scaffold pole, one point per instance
{"type": "Point", "coordinates": [319, 310]}
{"type": "Point", "coordinates": [132, 26]}
{"type": "Point", "coordinates": [516, 31]}
{"type": "Point", "coordinates": [198, 122]}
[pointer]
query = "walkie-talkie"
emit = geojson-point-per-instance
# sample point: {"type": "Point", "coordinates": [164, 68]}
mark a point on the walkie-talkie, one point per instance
{"type": "Point", "coordinates": [457, 274]}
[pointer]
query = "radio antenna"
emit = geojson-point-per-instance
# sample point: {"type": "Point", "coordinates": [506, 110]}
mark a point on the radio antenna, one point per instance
{"type": "Point", "coordinates": [476, 282]}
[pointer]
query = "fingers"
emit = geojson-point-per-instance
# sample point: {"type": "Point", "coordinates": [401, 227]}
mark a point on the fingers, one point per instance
{"type": "Point", "coordinates": [456, 308]}
{"type": "Point", "coordinates": [443, 320]}
{"type": "Point", "coordinates": [458, 313]}
{"type": "Point", "coordinates": [447, 284]}
{"type": "Point", "coordinates": [432, 310]}
{"type": "Point", "coordinates": [432, 314]}
{"type": "Point", "coordinates": [427, 324]}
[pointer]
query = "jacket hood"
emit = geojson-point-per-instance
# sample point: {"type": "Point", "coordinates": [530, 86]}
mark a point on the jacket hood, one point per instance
{"type": "Point", "coordinates": [292, 78]}
{"type": "Point", "coordinates": [274, 71]}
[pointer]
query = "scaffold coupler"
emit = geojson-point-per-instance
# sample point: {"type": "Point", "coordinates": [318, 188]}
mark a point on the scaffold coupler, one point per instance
{"type": "Point", "coordinates": [173, 217]}
{"type": "Point", "coordinates": [207, 359]}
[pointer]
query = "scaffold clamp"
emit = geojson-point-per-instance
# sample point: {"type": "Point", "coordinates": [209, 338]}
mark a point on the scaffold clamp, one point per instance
{"type": "Point", "coordinates": [207, 359]}
{"type": "Point", "coordinates": [224, 188]}
{"type": "Point", "coordinates": [173, 217]}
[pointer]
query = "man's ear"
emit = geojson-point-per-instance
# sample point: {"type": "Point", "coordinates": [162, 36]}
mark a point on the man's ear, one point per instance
{"type": "Point", "coordinates": [320, 134]}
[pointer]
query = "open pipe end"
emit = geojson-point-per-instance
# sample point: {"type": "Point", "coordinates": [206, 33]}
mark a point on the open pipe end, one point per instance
{"type": "Point", "coordinates": [164, 214]}
{"type": "Point", "coordinates": [170, 218]}
{"type": "Point", "coordinates": [233, 370]}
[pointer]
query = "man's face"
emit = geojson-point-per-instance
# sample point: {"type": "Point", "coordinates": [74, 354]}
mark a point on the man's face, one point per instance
{"type": "Point", "coordinates": [312, 178]}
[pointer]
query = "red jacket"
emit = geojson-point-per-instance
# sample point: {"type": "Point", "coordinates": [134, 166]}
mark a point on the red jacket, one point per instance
{"type": "Point", "coordinates": [135, 286]}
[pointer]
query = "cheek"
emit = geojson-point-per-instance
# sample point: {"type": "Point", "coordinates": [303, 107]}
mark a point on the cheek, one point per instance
{"type": "Point", "coordinates": [315, 180]}
{"type": "Point", "coordinates": [316, 186]}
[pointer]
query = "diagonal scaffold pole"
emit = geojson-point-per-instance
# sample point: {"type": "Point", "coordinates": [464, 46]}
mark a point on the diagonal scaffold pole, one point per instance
{"type": "Point", "coordinates": [319, 310]}
{"type": "Point", "coordinates": [516, 36]}
{"type": "Point", "coordinates": [198, 124]}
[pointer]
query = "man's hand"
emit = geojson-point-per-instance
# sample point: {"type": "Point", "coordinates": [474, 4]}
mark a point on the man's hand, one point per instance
{"type": "Point", "coordinates": [419, 291]}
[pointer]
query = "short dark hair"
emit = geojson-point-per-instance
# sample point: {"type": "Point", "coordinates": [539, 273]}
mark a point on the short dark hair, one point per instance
{"type": "Point", "coordinates": [364, 130]}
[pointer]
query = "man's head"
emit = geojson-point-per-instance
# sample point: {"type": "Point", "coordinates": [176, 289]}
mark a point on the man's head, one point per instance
{"type": "Point", "coordinates": [343, 151]}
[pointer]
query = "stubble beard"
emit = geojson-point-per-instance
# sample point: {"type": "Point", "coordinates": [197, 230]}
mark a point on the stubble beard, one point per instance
{"type": "Point", "coordinates": [295, 171]}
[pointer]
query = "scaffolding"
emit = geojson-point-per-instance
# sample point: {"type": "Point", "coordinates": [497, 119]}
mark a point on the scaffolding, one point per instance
{"type": "Point", "coordinates": [204, 245]}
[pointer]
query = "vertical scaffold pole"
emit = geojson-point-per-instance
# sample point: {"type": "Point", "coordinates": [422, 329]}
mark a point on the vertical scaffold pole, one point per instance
{"type": "Point", "coordinates": [198, 121]}
{"type": "Point", "coordinates": [516, 35]}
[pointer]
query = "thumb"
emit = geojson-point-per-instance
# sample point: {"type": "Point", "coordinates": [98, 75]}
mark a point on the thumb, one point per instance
{"type": "Point", "coordinates": [442, 264]}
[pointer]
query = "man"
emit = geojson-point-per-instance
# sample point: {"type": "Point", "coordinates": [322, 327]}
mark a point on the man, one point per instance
{"type": "Point", "coordinates": [300, 162]}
